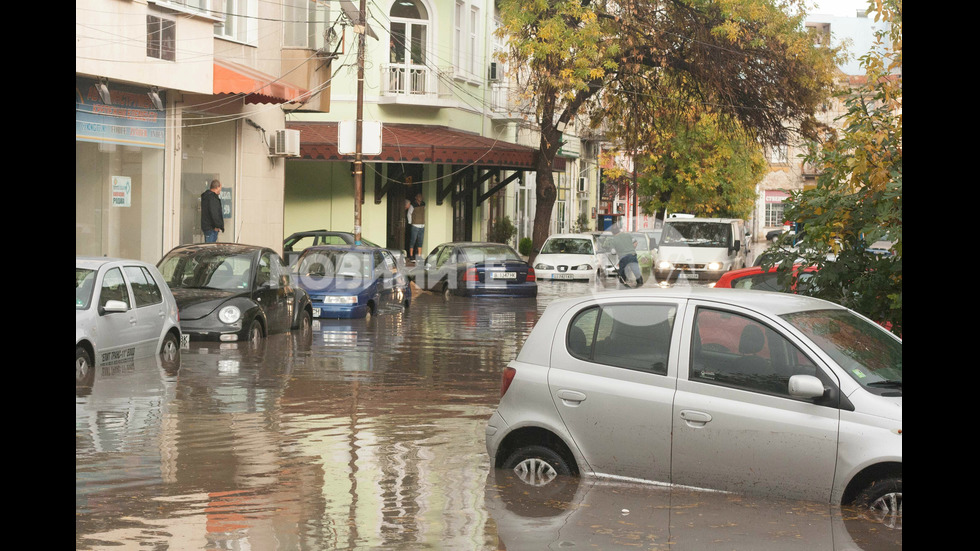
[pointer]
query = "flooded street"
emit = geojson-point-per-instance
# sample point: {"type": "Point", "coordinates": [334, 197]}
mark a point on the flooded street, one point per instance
{"type": "Point", "coordinates": [370, 435]}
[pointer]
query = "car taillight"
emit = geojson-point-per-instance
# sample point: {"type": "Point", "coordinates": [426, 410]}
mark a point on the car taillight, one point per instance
{"type": "Point", "coordinates": [530, 274]}
{"type": "Point", "coordinates": [506, 379]}
{"type": "Point", "coordinates": [470, 275]}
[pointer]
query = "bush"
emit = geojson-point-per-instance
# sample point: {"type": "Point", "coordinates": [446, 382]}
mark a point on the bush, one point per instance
{"type": "Point", "coordinates": [500, 231]}
{"type": "Point", "coordinates": [524, 247]}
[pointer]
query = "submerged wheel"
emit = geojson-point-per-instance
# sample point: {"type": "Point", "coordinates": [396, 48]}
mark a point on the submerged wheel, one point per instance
{"type": "Point", "coordinates": [255, 332]}
{"type": "Point", "coordinates": [884, 499]}
{"type": "Point", "coordinates": [170, 348]}
{"type": "Point", "coordinates": [537, 465]}
{"type": "Point", "coordinates": [84, 369]}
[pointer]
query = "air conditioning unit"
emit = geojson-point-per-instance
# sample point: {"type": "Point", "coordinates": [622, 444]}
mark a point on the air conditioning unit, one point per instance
{"type": "Point", "coordinates": [493, 72]}
{"type": "Point", "coordinates": [285, 143]}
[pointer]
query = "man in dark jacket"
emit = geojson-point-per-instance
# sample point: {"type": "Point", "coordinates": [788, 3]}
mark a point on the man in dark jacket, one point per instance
{"type": "Point", "coordinates": [211, 219]}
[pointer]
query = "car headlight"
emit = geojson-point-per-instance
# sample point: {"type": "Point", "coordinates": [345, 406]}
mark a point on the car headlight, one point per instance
{"type": "Point", "coordinates": [540, 266]}
{"type": "Point", "coordinates": [664, 265]}
{"type": "Point", "coordinates": [586, 267]}
{"type": "Point", "coordinates": [714, 266]}
{"type": "Point", "coordinates": [229, 314]}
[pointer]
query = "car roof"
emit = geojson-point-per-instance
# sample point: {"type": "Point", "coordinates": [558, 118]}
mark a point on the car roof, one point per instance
{"type": "Point", "coordinates": [766, 302]}
{"type": "Point", "coordinates": [571, 235]}
{"type": "Point", "coordinates": [347, 248]}
{"type": "Point", "coordinates": [226, 248]}
{"type": "Point", "coordinates": [95, 262]}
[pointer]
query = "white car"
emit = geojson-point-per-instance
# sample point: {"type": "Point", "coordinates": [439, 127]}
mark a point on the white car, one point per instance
{"type": "Point", "coordinates": [123, 310]}
{"type": "Point", "coordinates": [722, 389]}
{"type": "Point", "coordinates": [570, 256]}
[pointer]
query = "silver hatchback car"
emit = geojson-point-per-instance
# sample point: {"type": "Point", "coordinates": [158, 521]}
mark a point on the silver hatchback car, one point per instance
{"type": "Point", "coordinates": [123, 310]}
{"type": "Point", "coordinates": [741, 391]}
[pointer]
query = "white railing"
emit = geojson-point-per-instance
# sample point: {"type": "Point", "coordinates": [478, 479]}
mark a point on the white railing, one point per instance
{"type": "Point", "coordinates": [406, 79]}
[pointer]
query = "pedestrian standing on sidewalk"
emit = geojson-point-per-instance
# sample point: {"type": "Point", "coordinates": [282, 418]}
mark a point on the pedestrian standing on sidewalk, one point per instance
{"type": "Point", "coordinates": [211, 220]}
{"type": "Point", "coordinates": [416, 226]}
{"type": "Point", "coordinates": [625, 246]}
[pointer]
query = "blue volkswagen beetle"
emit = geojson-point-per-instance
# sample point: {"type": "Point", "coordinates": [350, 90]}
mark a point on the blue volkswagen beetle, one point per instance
{"type": "Point", "coordinates": [350, 281]}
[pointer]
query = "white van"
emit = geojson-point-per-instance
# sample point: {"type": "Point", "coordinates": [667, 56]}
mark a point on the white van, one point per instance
{"type": "Point", "coordinates": [700, 248]}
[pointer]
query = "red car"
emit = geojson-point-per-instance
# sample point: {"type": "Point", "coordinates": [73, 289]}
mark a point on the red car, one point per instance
{"type": "Point", "coordinates": [757, 279]}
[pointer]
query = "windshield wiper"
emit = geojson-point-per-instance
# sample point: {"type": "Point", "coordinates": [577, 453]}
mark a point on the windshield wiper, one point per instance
{"type": "Point", "coordinates": [887, 384]}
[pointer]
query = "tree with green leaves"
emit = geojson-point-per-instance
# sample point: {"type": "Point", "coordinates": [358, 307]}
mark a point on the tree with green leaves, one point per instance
{"type": "Point", "coordinates": [707, 169]}
{"type": "Point", "coordinates": [636, 62]}
{"type": "Point", "coordinates": [858, 197]}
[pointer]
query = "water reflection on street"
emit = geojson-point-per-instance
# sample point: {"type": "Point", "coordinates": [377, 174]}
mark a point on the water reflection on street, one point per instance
{"type": "Point", "coordinates": [367, 435]}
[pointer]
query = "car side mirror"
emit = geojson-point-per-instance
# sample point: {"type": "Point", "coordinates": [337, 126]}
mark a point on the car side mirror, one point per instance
{"type": "Point", "coordinates": [805, 386]}
{"type": "Point", "coordinates": [113, 306]}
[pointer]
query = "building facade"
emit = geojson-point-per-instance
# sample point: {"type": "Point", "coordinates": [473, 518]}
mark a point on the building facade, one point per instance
{"type": "Point", "coordinates": [171, 94]}
{"type": "Point", "coordinates": [440, 116]}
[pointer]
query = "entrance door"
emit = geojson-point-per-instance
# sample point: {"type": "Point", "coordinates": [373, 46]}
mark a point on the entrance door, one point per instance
{"type": "Point", "coordinates": [402, 184]}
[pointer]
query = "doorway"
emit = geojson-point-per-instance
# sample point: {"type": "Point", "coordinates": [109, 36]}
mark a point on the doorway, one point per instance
{"type": "Point", "coordinates": [403, 182]}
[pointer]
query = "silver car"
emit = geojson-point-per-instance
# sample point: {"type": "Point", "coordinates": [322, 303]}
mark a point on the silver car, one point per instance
{"type": "Point", "coordinates": [123, 310]}
{"type": "Point", "coordinates": [741, 391]}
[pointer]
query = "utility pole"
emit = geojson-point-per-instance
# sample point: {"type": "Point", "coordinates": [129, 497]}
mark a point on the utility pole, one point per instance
{"type": "Point", "coordinates": [359, 123]}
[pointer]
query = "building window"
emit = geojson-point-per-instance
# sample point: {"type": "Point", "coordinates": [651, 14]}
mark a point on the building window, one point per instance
{"type": "Point", "coordinates": [774, 214]}
{"type": "Point", "coordinates": [304, 23]}
{"type": "Point", "coordinates": [161, 38]}
{"type": "Point", "coordinates": [459, 23]}
{"type": "Point", "coordinates": [474, 46]}
{"type": "Point", "coordinates": [240, 19]}
{"type": "Point", "coordinates": [408, 72]}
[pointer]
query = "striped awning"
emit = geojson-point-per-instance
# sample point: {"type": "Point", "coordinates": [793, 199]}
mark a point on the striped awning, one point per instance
{"type": "Point", "coordinates": [257, 87]}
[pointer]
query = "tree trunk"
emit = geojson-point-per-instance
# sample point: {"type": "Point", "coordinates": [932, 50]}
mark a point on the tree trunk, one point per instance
{"type": "Point", "coordinates": [545, 191]}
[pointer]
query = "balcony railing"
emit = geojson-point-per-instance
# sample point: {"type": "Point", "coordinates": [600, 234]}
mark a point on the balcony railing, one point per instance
{"type": "Point", "coordinates": [407, 80]}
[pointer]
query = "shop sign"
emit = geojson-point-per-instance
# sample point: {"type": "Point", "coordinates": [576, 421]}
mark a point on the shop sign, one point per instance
{"type": "Point", "coordinates": [129, 119]}
{"type": "Point", "coordinates": [122, 191]}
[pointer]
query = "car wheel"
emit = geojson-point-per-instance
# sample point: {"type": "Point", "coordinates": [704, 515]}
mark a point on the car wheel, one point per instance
{"type": "Point", "coordinates": [84, 369]}
{"type": "Point", "coordinates": [537, 465]}
{"type": "Point", "coordinates": [255, 332]}
{"type": "Point", "coordinates": [884, 499]}
{"type": "Point", "coordinates": [305, 322]}
{"type": "Point", "coordinates": [170, 348]}
{"type": "Point", "coordinates": [446, 291]}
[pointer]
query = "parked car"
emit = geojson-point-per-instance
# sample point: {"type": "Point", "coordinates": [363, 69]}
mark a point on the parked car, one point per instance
{"type": "Point", "coordinates": [231, 292]}
{"type": "Point", "coordinates": [476, 269]}
{"type": "Point", "coordinates": [123, 310]}
{"type": "Point", "coordinates": [701, 248]}
{"type": "Point", "coordinates": [571, 256]}
{"type": "Point", "coordinates": [732, 390]}
{"type": "Point", "coordinates": [350, 281]}
{"type": "Point", "coordinates": [293, 245]}
{"type": "Point", "coordinates": [757, 279]}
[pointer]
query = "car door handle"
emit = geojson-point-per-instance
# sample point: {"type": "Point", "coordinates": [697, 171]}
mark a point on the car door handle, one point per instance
{"type": "Point", "coordinates": [695, 418]}
{"type": "Point", "coordinates": [571, 397]}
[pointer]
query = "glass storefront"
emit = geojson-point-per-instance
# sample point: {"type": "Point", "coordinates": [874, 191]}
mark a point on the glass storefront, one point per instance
{"type": "Point", "coordinates": [119, 172]}
{"type": "Point", "coordinates": [207, 153]}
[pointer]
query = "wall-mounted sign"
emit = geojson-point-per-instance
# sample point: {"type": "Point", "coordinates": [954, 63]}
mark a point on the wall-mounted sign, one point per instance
{"type": "Point", "coordinates": [122, 191]}
{"type": "Point", "coordinates": [130, 118]}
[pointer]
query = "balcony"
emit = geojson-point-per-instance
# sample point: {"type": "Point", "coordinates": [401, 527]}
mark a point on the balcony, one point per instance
{"type": "Point", "coordinates": [410, 84]}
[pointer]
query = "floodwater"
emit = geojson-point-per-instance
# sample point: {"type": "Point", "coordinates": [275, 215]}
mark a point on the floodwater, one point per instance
{"type": "Point", "coordinates": [370, 435]}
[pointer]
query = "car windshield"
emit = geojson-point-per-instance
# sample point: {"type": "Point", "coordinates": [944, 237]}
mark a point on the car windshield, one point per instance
{"type": "Point", "coordinates": [348, 264]}
{"type": "Point", "coordinates": [697, 234]}
{"type": "Point", "coordinates": [870, 355]}
{"type": "Point", "coordinates": [208, 270]}
{"type": "Point", "coordinates": [489, 253]}
{"type": "Point", "coordinates": [84, 285]}
{"type": "Point", "coordinates": [567, 245]}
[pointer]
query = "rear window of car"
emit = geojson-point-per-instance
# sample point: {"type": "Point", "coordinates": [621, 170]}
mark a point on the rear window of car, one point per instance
{"type": "Point", "coordinates": [631, 336]}
{"type": "Point", "coordinates": [489, 253]}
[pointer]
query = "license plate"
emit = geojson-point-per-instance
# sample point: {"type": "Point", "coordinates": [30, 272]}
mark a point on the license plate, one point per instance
{"type": "Point", "coordinates": [561, 276]}
{"type": "Point", "coordinates": [316, 312]}
{"type": "Point", "coordinates": [185, 340]}
{"type": "Point", "coordinates": [503, 275]}
{"type": "Point", "coordinates": [684, 275]}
